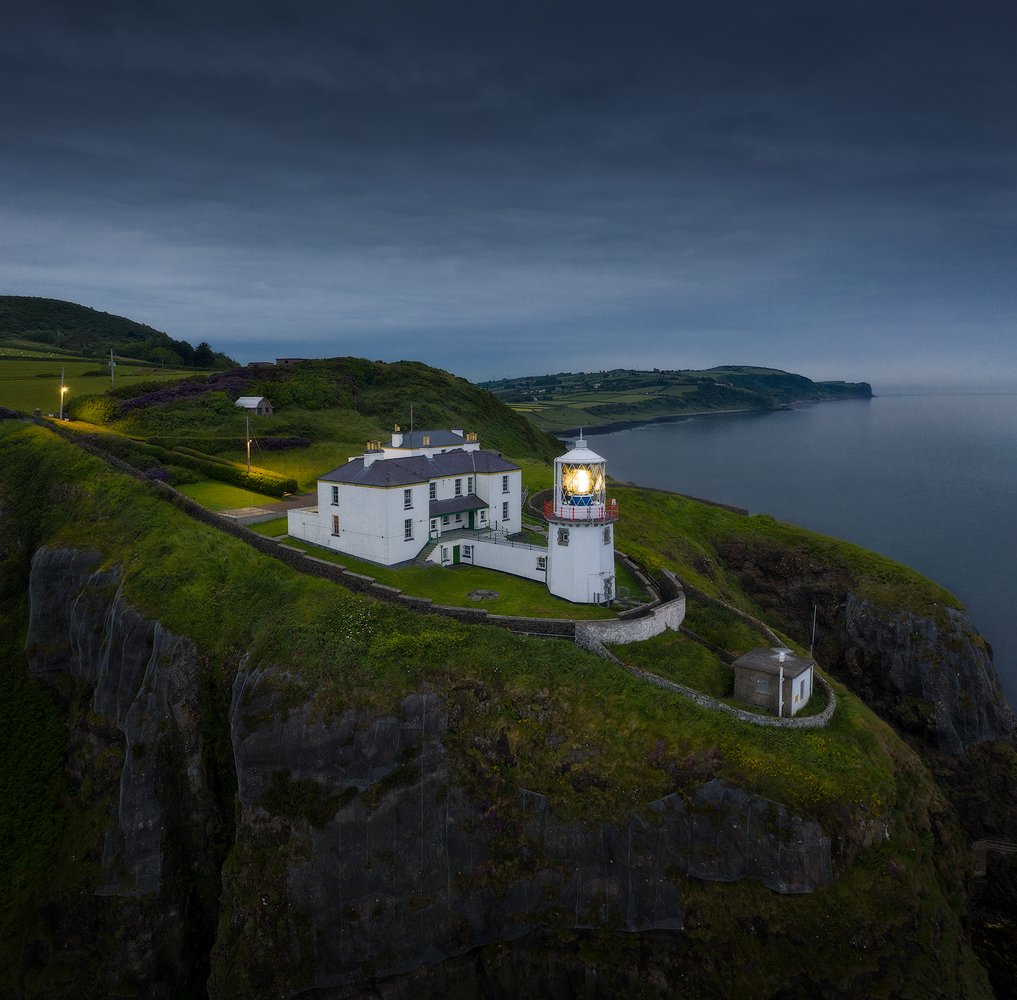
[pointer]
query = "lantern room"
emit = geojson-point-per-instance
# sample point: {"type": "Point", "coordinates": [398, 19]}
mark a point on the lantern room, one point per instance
{"type": "Point", "coordinates": [580, 493]}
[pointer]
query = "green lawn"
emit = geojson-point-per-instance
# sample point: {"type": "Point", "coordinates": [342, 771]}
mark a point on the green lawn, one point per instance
{"type": "Point", "coordinates": [452, 585]}
{"type": "Point", "coordinates": [26, 385]}
{"type": "Point", "coordinates": [221, 496]}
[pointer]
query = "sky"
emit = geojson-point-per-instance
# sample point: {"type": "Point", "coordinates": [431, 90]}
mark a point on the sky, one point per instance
{"type": "Point", "coordinates": [510, 189]}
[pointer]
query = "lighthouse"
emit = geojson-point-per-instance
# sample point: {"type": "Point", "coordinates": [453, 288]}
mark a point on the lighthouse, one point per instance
{"type": "Point", "coordinates": [580, 529]}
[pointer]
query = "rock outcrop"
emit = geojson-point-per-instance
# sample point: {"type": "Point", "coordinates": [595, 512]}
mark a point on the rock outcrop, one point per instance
{"type": "Point", "coordinates": [932, 677]}
{"type": "Point", "coordinates": [135, 751]}
{"type": "Point", "coordinates": [362, 848]}
{"type": "Point", "coordinates": [393, 864]}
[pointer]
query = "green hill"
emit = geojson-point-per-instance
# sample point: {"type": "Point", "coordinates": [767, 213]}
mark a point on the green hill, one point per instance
{"type": "Point", "coordinates": [623, 396]}
{"type": "Point", "coordinates": [524, 716]}
{"type": "Point", "coordinates": [65, 327]}
{"type": "Point", "coordinates": [324, 411]}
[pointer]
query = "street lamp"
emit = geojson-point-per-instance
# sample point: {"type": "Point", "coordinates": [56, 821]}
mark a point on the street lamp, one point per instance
{"type": "Point", "coordinates": [63, 389]}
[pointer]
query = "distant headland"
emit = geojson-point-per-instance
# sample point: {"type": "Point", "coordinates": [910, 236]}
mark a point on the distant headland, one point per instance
{"type": "Point", "coordinates": [613, 400]}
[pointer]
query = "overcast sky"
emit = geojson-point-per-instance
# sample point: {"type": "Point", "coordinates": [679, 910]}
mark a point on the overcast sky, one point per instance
{"type": "Point", "coordinates": [515, 188]}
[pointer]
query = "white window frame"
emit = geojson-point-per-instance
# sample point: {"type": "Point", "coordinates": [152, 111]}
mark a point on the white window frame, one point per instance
{"type": "Point", "coordinates": [335, 524]}
{"type": "Point", "coordinates": [505, 511]}
{"type": "Point", "coordinates": [408, 530]}
{"type": "Point", "coordinates": [408, 499]}
{"type": "Point", "coordinates": [432, 491]}
{"type": "Point", "coordinates": [335, 496]}
{"type": "Point", "coordinates": [504, 484]}
{"type": "Point", "coordinates": [469, 484]}
{"type": "Point", "coordinates": [542, 563]}
{"type": "Point", "coordinates": [459, 488]}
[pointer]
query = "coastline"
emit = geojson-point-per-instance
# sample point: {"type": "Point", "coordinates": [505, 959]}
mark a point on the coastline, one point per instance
{"type": "Point", "coordinates": [670, 418]}
{"type": "Point", "coordinates": [667, 418]}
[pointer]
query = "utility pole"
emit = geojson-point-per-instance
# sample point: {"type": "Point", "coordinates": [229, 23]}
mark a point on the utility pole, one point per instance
{"type": "Point", "coordinates": [63, 389]}
{"type": "Point", "coordinates": [112, 367]}
{"type": "Point", "coordinates": [248, 444]}
{"type": "Point", "coordinates": [813, 640]}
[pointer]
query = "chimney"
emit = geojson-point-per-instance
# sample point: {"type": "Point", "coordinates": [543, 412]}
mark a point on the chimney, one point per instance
{"type": "Point", "coordinates": [457, 430]}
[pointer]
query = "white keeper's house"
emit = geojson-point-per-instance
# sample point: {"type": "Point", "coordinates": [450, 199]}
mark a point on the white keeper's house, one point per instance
{"type": "Point", "coordinates": [437, 495]}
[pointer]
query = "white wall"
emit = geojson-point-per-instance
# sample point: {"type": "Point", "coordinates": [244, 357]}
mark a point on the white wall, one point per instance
{"type": "Point", "coordinates": [577, 571]}
{"type": "Point", "coordinates": [304, 523]}
{"type": "Point", "coordinates": [519, 560]}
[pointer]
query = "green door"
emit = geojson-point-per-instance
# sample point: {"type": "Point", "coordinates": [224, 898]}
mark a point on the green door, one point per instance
{"type": "Point", "coordinates": [470, 517]}
{"type": "Point", "coordinates": [455, 555]}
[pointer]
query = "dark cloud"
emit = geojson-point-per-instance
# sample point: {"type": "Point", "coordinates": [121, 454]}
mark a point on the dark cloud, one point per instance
{"type": "Point", "coordinates": [824, 187]}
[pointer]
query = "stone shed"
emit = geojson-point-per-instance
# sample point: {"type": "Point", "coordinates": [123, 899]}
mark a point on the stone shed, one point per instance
{"type": "Point", "coordinates": [774, 679]}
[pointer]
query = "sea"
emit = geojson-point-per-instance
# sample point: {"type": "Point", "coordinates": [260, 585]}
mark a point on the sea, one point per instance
{"type": "Point", "coordinates": [929, 479]}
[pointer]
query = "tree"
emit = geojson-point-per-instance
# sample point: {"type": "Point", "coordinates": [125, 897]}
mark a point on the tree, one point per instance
{"type": "Point", "coordinates": [204, 356]}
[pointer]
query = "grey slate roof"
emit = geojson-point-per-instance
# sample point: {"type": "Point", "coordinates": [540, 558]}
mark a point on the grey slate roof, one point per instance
{"type": "Point", "coordinates": [418, 468]}
{"type": "Point", "coordinates": [456, 505]}
{"type": "Point", "coordinates": [437, 439]}
{"type": "Point", "coordinates": [768, 661]}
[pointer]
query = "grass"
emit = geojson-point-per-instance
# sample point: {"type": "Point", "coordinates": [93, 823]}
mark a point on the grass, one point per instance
{"type": "Point", "coordinates": [27, 385]}
{"type": "Point", "coordinates": [452, 585]}
{"type": "Point", "coordinates": [680, 659]}
{"type": "Point", "coordinates": [203, 583]}
{"type": "Point", "coordinates": [221, 496]}
{"type": "Point", "coordinates": [597, 741]}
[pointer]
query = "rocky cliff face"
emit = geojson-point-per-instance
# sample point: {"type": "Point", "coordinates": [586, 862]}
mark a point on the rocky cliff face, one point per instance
{"type": "Point", "coordinates": [932, 678]}
{"type": "Point", "coordinates": [136, 761]}
{"type": "Point", "coordinates": [362, 846]}
{"type": "Point", "coordinates": [393, 863]}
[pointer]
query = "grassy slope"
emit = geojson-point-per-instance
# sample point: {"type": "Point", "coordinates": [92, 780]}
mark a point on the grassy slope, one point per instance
{"type": "Point", "coordinates": [338, 405]}
{"type": "Point", "coordinates": [25, 385]}
{"type": "Point", "coordinates": [638, 742]}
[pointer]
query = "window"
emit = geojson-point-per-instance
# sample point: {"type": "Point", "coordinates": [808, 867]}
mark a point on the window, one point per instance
{"type": "Point", "coordinates": [459, 518]}
{"type": "Point", "coordinates": [542, 562]}
{"type": "Point", "coordinates": [504, 484]}
{"type": "Point", "coordinates": [483, 516]}
{"type": "Point", "coordinates": [469, 484]}
{"type": "Point", "coordinates": [335, 496]}
{"type": "Point", "coordinates": [444, 553]}
{"type": "Point", "coordinates": [762, 685]}
{"type": "Point", "coordinates": [408, 529]}
{"type": "Point", "coordinates": [607, 535]}
{"type": "Point", "coordinates": [563, 536]}
{"type": "Point", "coordinates": [335, 524]}
{"type": "Point", "coordinates": [407, 499]}
{"type": "Point", "coordinates": [459, 487]}
{"type": "Point", "coordinates": [434, 524]}
{"type": "Point", "coordinates": [467, 551]}
{"type": "Point", "coordinates": [444, 521]}
{"type": "Point", "coordinates": [504, 511]}
{"type": "Point", "coordinates": [432, 491]}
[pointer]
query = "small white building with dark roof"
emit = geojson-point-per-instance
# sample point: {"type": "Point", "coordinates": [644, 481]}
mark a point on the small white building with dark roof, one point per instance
{"type": "Point", "coordinates": [386, 505]}
{"type": "Point", "coordinates": [774, 679]}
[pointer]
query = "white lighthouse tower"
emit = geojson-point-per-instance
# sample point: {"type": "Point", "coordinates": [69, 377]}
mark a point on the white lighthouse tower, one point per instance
{"type": "Point", "coordinates": [580, 529]}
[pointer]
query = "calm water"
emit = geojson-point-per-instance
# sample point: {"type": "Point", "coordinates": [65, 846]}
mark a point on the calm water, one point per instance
{"type": "Point", "coordinates": [930, 480]}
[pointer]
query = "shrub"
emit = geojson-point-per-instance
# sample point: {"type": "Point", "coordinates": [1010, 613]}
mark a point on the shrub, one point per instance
{"type": "Point", "coordinates": [93, 408]}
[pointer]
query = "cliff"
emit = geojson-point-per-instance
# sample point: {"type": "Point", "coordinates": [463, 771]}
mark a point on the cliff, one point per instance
{"type": "Point", "coordinates": [274, 786]}
{"type": "Point", "coordinates": [931, 674]}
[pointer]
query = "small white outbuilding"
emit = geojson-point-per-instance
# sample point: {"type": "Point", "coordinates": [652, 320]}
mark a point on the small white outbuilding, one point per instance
{"type": "Point", "coordinates": [256, 404]}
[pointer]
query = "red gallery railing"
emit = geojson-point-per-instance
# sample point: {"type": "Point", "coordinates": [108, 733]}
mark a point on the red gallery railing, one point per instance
{"type": "Point", "coordinates": [608, 512]}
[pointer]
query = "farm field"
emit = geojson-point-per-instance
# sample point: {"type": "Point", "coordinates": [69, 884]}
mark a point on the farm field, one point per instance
{"type": "Point", "coordinates": [26, 385]}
